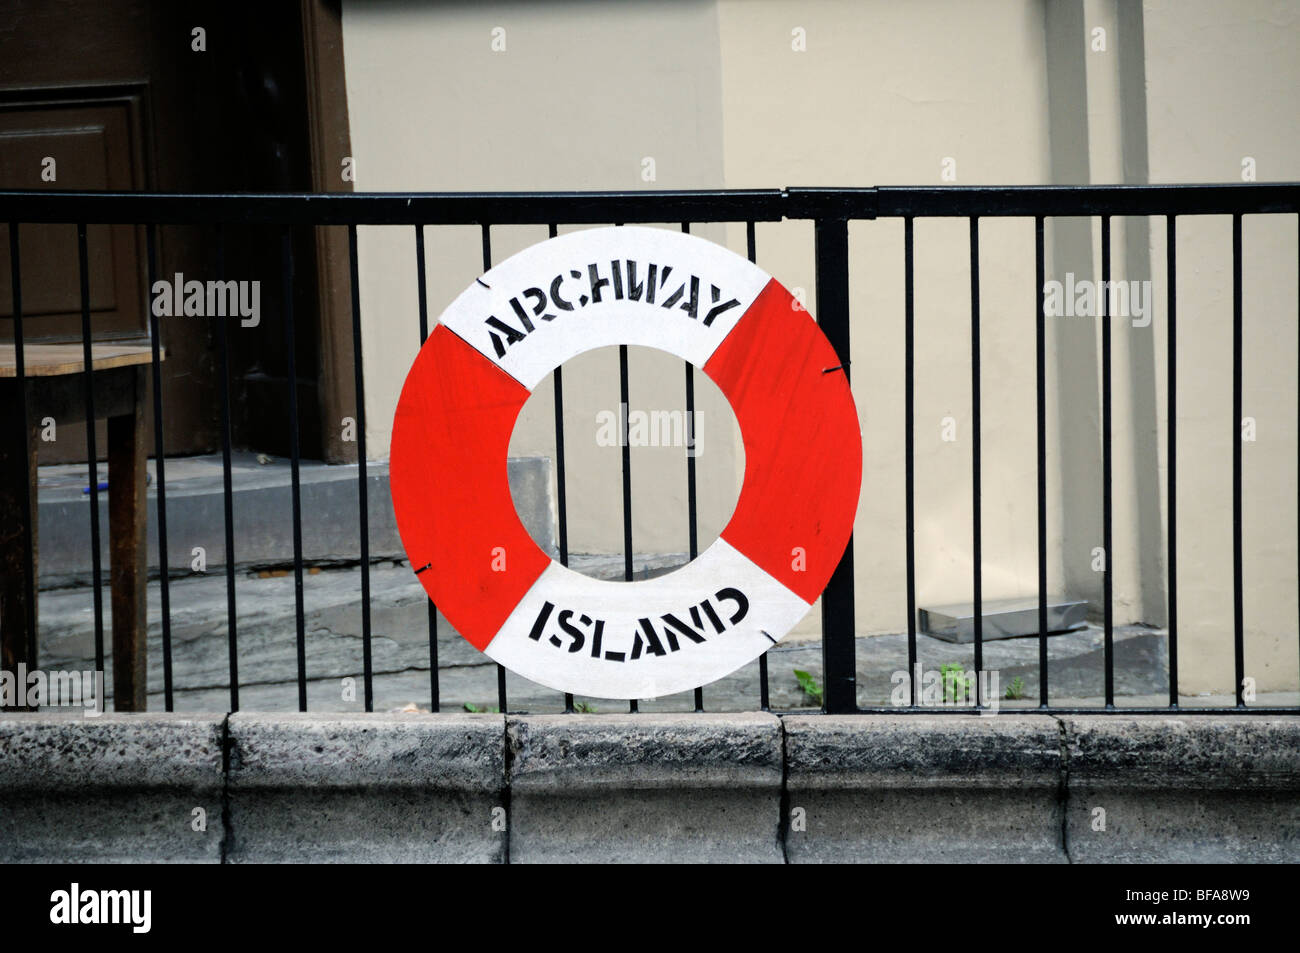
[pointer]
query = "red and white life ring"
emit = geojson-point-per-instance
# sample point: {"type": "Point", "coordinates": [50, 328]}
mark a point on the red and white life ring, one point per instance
{"type": "Point", "coordinates": [501, 338]}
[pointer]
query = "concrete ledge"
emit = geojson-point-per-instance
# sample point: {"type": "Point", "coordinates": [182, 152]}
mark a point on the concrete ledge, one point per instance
{"type": "Point", "coordinates": [1193, 789]}
{"type": "Point", "coordinates": [645, 788]}
{"type": "Point", "coordinates": [682, 788]}
{"type": "Point", "coordinates": [359, 788]}
{"type": "Point", "coordinates": [294, 751]}
{"type": "Point", "coordinates": [921, 789]}
{"type": "Point", "coordinates": [113, 788]}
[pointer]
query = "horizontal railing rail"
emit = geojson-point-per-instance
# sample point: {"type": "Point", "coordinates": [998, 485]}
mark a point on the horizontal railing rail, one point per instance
{"type": "Point", "coordinates": [830, 210]}
{"type": "Point", "coordinates": [588, 208]}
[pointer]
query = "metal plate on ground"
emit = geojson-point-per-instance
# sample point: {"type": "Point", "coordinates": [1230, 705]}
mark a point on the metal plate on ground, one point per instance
{"type": "Point", "coordinates": [1002, 618]}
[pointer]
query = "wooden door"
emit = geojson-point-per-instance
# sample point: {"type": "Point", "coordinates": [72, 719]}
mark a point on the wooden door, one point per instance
{"type": "Point", "coordinates": [124, 95]}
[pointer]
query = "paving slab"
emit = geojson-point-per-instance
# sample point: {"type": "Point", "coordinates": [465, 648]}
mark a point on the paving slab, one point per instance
{"type": "Point", "coordinates": [924, 789]}
{"type": "Point", "coordinates": [367, 788]}
{"type": "Point", "coordinates": [1190, 789]}
{"type": "Point", "coordinates": [110, 789]}
{"type": "Point", "coordinates": [645, 788]}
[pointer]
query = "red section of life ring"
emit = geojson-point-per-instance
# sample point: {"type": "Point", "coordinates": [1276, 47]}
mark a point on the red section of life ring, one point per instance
{"type": "Point", "coordinates": [792, 402]}
{"type": "Point", "coordinates": [791, 524]}
{"type": "Point", "coordinates": [451, 437]}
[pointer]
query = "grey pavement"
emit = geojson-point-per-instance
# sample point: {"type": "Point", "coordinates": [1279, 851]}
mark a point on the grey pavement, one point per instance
{"type": "Point", "coordinates": [267, 658]}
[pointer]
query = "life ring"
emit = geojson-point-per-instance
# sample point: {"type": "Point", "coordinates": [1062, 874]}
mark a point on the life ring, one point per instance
{"type": "Point", "coordinates": [501, 338]}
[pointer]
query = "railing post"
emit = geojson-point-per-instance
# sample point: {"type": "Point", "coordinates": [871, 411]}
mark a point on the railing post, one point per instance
{"type": "Point", "coordinates": [839, 656]}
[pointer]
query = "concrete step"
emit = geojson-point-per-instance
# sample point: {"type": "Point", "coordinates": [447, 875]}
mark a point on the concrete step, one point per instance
{"type": "Point", "coordinates": [262, 512]}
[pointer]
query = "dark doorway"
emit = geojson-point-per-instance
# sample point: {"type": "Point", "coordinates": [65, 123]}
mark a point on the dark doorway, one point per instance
{"type": "Point", "coordinates": [129, 95]}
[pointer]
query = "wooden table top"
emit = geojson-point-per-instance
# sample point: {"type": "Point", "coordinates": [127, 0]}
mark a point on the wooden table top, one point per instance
{"type": "Point", "coordinates": [54, 360]}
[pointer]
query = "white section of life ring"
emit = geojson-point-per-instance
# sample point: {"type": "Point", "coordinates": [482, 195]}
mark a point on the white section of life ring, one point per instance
{"type": "Point", "coordinates": [608, 670]}
{"type": "Point", "coordinates": [712, 275]}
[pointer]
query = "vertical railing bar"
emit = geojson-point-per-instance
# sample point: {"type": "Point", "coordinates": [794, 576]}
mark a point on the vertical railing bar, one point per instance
{"type": "Point", "coordinates": [627, 469]}
{"type": "Point", "coordinates": [691, 510]}
{"type": "Point", "coordinates": [909, 448]}
{"type": "Point", "coordinates": [232, 631]}
{"type": "Point", "coordinates": [1298, 403]}
{"type": "Point", "coordinates": [690, 487]}
{"type": "Point", "coordinates": [487, 266]}
{"type": "Point", "coordinates": [977, 582]}
{"type": "Point", "coordinates": [1171, 414]}
{"type": "Point", "coordinates": [1238, 608]}
{"type": "Point", "coordinates": [502, 703]}
{"type": "Point", "coordinates": [692, 514]}
{"type": "Point", "coordinates": [627, 475]}
{"type": "Point", "coordinates": [839, 645]}
{"type": "Point", "coordinates": [1040, 385]}
{"type": "Point", "coordinates": [363, 503]}
{"type": "Point", "coordinates": [286, 286]}
{"type": "Point", "coordinates": [92, 465]}
{"type": "Point", "coordinates": [434, 700]}
{"type": "Point", "coordinates": [1107, 583]}
{"type": "Point", "coordinates": [561, 492]}
{"type": "Point", "coordinates": [20, 369]}
{"type": "Point", "coordinates": [627, 478]}
{"type": "Point", "coordinates": [160, 454]}
{"type": "Point", "coordinates": [764, 699]}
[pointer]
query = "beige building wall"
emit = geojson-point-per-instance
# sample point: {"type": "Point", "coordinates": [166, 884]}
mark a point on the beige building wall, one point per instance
{"type": "Point", "coordinates": [752, 93]}
{"type": "Point", "coordinates": [578, 98]}
{"type": "Point", "coordinates": [1222, 82]}
{"type": "Point", "coordinates": [885, 93]}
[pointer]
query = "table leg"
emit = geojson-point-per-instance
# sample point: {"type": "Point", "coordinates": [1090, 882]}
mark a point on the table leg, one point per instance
{"type": "Point", "coordinates": [17, 496]}
{"type": "Point", "coordinates": [127, 508]}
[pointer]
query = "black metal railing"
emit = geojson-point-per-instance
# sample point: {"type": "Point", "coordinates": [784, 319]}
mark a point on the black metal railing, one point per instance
{"type": "Point", "coordinates": [830, 211]}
